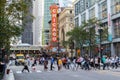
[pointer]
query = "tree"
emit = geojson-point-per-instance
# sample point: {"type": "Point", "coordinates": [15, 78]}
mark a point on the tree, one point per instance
{"type": "Point", "coordinates": [86, 34]}
{"type": "Point", "coordinates": [78, 35]}
{"type": "Point", "coordinates": [12, 14]}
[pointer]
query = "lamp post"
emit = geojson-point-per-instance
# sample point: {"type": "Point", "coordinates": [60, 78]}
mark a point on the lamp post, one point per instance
{"type": "Point", "coordinates": [71, 47]}
{"type": "Point", "coordinates": [100, 37]}
{"type": "Point", "coordinates": [89, 31]}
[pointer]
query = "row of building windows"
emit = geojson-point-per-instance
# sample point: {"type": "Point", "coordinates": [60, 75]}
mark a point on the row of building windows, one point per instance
{"type": "Point", "coordinates": [116, 26]}
{"type": "Point", "coordinates": [80, 7]}
{"type": "Point", "coordinates": [83, 4]}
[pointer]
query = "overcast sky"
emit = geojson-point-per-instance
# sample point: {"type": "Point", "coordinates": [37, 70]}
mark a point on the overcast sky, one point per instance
{"type": "Point", "coordinates": [65, 2]}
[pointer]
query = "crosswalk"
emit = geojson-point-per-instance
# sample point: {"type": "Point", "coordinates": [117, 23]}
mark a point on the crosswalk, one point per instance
{"type": "Point", "coordinates": [108, 72]}
{"type": "Point", "coordinates": [36, 71]}
{"type": "Point", "coordinates": [20, 72]}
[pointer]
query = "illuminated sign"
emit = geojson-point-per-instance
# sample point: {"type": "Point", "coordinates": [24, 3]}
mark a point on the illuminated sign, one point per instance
{"type": "Point", "coordinates": [54, 12]}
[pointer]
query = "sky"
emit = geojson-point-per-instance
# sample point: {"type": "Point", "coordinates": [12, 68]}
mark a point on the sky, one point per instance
{"type": "Point", "coordinates": [65, 2]}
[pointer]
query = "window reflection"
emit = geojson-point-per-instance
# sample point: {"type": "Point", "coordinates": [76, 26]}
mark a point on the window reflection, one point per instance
{"type": "Point", "coordinates": [115, 6]}
{"type": "Point", "coordinates": [103, 10]}
{"type": "Point", "coordinates": [116, 24]}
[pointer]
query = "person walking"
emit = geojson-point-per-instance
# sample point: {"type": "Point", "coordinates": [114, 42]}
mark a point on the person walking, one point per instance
{"type": "Point", "coordinates": [104, 62]}
{"type": "Point", "coordinates": [59, 64]}
{"type": "Point", "coordinates": [46, 64]}
{"type": "Point", "coordinates": [52, 62]}
{"type": "Point", "coordinates": [25, 67]}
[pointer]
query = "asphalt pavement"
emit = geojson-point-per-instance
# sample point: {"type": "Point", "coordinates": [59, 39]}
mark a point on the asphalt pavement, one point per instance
{"type": "Point", "coordinates": [64, 74]}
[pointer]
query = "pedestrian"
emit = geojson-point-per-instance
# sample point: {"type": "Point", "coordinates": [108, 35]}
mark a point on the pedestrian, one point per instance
{"type": "Point", "coordinates": [52, 62]}
{"type": "Point", "coordinates": [25, 67]}
{"type": "Point", "coordinates": [45, 64]}
{"type": "Point", "coordinates": [33, 67]}
{"type": "Point", "coordinates": [59, 64]}
{"type": "Point", "coordinates": [104, 62]}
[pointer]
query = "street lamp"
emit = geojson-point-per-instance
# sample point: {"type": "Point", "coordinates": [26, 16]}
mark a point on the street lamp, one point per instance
{"type": "Point", "coordinates": [89, 31]}
{"type": "Point", "coordinates": [71, 47]}
{"type": "Point", "coordinates": [100, 37]}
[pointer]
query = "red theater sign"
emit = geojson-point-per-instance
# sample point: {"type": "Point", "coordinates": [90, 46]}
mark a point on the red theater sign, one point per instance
{"type": "Point", "coordinates": [54, 12]}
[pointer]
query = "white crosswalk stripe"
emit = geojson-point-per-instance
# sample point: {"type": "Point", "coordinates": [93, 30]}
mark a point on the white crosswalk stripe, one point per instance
{"type": "Point", "coordinates": [38, 71]}
{"type": "Point", "coordinates": [20, 72]}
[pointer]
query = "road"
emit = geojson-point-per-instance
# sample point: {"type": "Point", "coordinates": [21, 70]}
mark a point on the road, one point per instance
{"type": "Point", "coordinates": [64, 74]}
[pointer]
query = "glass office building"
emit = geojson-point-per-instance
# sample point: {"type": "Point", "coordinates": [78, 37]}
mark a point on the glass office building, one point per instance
{"type": "Point", "coordinates": [27, 35]}
{"type": "Point", "coordinates": [47, 18]}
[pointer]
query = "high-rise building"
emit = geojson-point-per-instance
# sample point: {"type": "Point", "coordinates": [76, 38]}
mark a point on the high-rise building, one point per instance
{"type": "Point", "coordinates": [108, 12]}
{"type": "Point", "coordinates": [47, 18]}
{"type": "Point", "coordinates": [38, 9]}
{"type": "Point", "coordinates": [27, 35]}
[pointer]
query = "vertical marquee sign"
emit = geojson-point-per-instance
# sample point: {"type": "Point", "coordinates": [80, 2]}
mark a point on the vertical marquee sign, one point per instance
{"type": "Point", "coordinates": [54, 26]}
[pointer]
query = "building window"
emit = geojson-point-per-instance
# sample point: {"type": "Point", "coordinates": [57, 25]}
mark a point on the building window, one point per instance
{"type": "Point", "coordinates": [83, 17]}
{"type": "Point", "coordinates": [91, 2]}
{"type": "Point", "coordinates": [115, 7]}
{"type": "Point", "coordinates": [82, 5]}
{"type": "Point", "coordinates": [79, 6]}
{"type": "Point", "coordinates": [87, 3]}
{"type": "Point", "coordinates": [104, 34]}
{"type": "Point", "coordinates": [70, 11]}
{"type": "Point", "coordinates": [116, 24]}
{"type": "Point", "coordinates": [103, 10]}
{"type": "Point", "coordinates": [92, 13]}
{"type": "Point", "coordinates": [76, 9]}
{"type": "Point", "coordinates": [76, 22]}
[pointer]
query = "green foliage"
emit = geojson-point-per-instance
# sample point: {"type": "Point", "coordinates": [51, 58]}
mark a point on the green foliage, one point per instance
{"type": "Point", "coordinates": [65, 43]}
{"type": "Point", "coordinates": [86, 33]}
{"type": "Point", "coordinates": [12, 13]}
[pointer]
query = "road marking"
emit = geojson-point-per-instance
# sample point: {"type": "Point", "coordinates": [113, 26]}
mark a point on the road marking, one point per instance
{"type": "Point", "coordinates": [109, 73]}
{"type": "Point", "coordinates": [38, 71]}
{"type": "Point", "coordinates": [18, 71]}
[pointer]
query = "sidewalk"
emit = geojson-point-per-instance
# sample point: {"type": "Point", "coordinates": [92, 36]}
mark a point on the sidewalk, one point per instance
{"type": "Point", "coordinates": [9, 76]}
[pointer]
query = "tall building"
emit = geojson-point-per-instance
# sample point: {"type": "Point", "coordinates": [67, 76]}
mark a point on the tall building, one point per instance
{"type": "Point", "coordinates": [38, 9]}
{"type": "Point", "coordinates": [108, 11]}
{"type": "Point", "coordinates": [27, 35]}
{"type": "Point", "coordinates": [47, 18]}
{"type": "Point", "coordinates": [66, 19]}
{"type": "Point", "coordinates": [66, 24]}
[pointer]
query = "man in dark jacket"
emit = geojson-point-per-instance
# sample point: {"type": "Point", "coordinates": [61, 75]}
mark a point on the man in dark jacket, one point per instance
{"type": "Point", "coordinates": [25, 67]}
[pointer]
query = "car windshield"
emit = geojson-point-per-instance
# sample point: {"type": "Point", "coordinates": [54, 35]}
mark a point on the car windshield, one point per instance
{"type": "Point", "coordinates": [20, 57]}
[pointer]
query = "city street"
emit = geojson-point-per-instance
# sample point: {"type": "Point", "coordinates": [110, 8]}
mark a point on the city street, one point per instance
{"type": "Point", "coordinates": [65, 74]}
